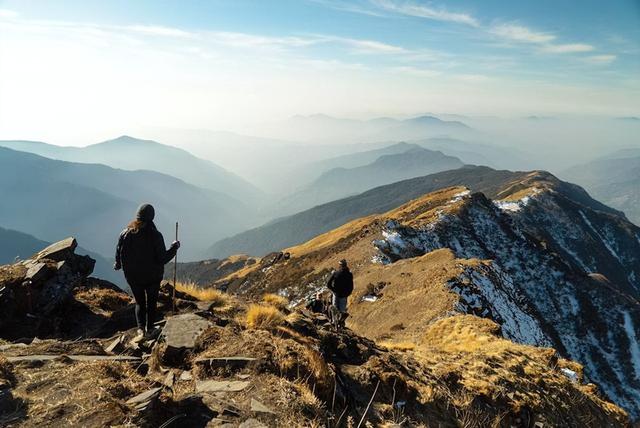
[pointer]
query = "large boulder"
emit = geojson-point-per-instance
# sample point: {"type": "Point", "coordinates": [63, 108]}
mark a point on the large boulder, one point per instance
{"type": "Point", "coordinates": [35, 288]}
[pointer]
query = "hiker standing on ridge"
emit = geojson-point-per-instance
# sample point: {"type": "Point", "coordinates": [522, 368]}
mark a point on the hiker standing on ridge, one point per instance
{"type": "Point", "coordinates": [141, 254]}
{"type": "Point", "coordinates": [341, 285]}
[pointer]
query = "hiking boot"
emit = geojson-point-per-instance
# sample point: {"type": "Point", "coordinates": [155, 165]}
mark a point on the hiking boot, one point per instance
{"type": "Point", "coordinates": [139, 337]}
{"type": "Point", "coordinates": [152, 334]}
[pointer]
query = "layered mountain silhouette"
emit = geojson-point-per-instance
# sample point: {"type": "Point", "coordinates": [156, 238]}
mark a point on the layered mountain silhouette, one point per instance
{"type": "Point", "coordinates": [134, 154]}
{"type": "Point", "coordinates": [538, 256]}
{"type": "Point", "coordinates": [18, 245]}
{"type": "Point", "coordinates": [614, 179]}
{"type": "Point", "coordinates": [321, 127]}
{"type": "Point", "coordinates": [50, 198]}
{"type": "Point", "coordinates": [389, 168]}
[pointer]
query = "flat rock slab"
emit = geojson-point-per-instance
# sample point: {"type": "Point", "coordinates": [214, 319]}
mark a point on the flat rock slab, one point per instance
{"type": "Point", "coordinates": [182, 331]}
{"type": "Point", "coordinates": [145, 396]}
{"type": "Point", "coordinates": [186, 375]}
{"type": "Point", "coordinates": [252, 423]}
{"type": "Point", "coordinates": [204, 306]}
{"type": "Point", "coordinates": [257, 406]}
{"type": "Point", "coordinates": [59, 250]}
{"type": "Point", "coordinates": [221, 385]}
{"type": "Point", "coordinates": [33, 358]}
{"type": "Point", "coordinates": [36, 272]}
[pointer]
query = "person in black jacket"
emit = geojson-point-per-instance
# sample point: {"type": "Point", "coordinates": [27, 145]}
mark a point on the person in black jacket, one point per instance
{"type": "Point", "coordinates": [141, 254]}
{"type": "Point", "coordinates": [316, 304]}
{"type": "Point", "coordinates": [341, 285]}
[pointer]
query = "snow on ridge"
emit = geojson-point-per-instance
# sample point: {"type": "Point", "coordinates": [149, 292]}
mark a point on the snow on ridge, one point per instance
{"type": "Point", "coordinates": [517, 205]}
{"type": "Point", "coordinates": [606, 242]}
{"type": "Point", "coordinates": [634, 347]}
{"type": "Point", "coordinates": [526, 291]}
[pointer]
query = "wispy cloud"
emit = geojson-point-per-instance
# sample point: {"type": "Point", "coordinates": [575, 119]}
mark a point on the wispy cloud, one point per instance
{"type": "Point", "coordinates": [423, 11]}
{"type": "Point", "coordinates": [600, 59]}
{"type": "Point", "coordinates": [6, 13]}
{"type": "Point", "coordinates": [348, 6]}
{"type": "Point", "coordinates": [366, 46]}
{"type": "Point", "coordinates": [568, 48]}
{"type": "Point", "coordinates": [520, 33]}
{"type": "Point", "coordinates": [157, 30]}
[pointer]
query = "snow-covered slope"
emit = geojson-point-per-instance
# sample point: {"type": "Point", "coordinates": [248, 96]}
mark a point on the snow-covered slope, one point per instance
{"type": "Point", "coordinates": [557, 273]}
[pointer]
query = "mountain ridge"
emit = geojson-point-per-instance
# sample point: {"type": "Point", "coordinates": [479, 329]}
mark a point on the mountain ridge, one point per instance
{"type": "Point", "coordinates": [547, 263]}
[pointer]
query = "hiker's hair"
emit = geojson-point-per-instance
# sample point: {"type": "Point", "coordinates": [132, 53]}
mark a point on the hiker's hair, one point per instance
{"type": "Point", "coordinates": [136, 225]}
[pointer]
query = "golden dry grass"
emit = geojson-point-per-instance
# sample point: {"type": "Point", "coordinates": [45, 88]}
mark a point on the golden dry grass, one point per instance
{"type": "Point", "coordinates": [219, 298]}
{"type": "Point", "coordinates": [263, 317]}
{"type": "Point", "coordinates": [6, 373]}
{"type": "Point", "coordinates": [275, 300]}
{"type": "Point", "coordinates": [399, 346]}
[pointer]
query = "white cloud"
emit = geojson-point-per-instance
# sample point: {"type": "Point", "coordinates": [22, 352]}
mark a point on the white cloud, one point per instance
{"type": "Point", "coordinates": [600, 59]}
{"type": "Point", "coordinates": [422, 11]}
{"type": "Point", "coordinates": [156, 30]}
{"type": "Point", "coordinates": [520, 33]}
{"type": "Point", "coordinates": [368, 46]}
{"type": "Point", "coordinates": [6, 13]}
{"type": "Point", "coordinates": [568, 48]}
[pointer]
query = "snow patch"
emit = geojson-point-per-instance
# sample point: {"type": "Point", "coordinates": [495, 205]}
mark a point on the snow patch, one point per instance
{"type": "Point", "coordinates": [570, 374]}
{"type": "Point", "coordinates": [634, 347]}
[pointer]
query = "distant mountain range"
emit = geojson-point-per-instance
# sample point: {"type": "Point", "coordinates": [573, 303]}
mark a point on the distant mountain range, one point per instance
{"type": "Point", "coordinates": [53, 199]}
{"type": "Point", "coordinates": [323, 128]}
{"type": "Point", "coordinates": [338, 183]}
{"type": "Point", "coordinates": [134, 154]}
{"type": "Point", "coordinates": [302, 226]}
{"type": "Point", "coordinates": [614, 180]}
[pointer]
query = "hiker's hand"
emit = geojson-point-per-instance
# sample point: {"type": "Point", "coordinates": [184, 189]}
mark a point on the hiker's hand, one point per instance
{"type": "Point", "coordinates": [116, 266]}
{"type": "Point", "coordinates": [175, 244]}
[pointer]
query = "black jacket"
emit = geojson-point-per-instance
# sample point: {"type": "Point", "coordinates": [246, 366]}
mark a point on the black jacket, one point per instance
{"type": "Point", "coordinates": [142, 254]}
{"type": "Point", "coordinates": [341, 282]}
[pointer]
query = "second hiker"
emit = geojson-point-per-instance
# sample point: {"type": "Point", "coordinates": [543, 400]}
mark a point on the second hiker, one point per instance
{"type": "Point", "coordinates": [341, 285]}
{"type": "Point", "coordinates": [141, 254]}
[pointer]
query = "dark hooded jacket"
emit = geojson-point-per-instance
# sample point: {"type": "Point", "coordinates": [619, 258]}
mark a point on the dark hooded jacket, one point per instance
{"type": "Point", "coordinates": [142, 254]}
{"type": "Point", "coordinates": [341, 282]}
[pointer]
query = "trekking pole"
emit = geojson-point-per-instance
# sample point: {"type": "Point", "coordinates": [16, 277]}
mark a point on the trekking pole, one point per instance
{"type": "Point", "coordinates": [175, 274]}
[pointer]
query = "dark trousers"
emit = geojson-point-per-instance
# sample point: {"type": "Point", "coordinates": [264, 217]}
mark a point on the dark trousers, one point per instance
{"type": "Point", "coordinates": [146, 296]}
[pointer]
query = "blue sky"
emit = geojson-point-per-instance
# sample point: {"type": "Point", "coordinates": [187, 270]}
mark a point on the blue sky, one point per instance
{"type": "Point", "coordinates": [236, 62]}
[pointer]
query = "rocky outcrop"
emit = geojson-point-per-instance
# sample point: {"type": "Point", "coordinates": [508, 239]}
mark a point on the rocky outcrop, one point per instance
{"type": "Point", "coordinates": [37, 287]}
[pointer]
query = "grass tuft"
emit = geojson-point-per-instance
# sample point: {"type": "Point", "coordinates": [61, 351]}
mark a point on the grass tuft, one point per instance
{"type": "Point", "coordinates": [264, 317]}
{"type": "Point", "coordinates": [205, 294]}
{"type": "Point", "coordinates": [399, 346]}
{"type": "Point", "coordinates": [275, 300]}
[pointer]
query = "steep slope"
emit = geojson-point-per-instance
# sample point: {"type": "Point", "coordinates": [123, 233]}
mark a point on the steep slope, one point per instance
{"type": "Point", "coordinates": [546, 262]}
{"type": "Point", "coordinates": [255, 363]}
{"type": "Point", "coordinates": [341, 182]}
{"type": "Point", "coordinates": [52, 198]}
{"type": "Point", "coordinates": [305, 225]}
{"type": "Point", "coordinates": [134, 154]}
{"type": "Point", "coordinates": [614, 180]}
